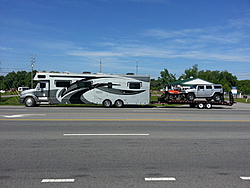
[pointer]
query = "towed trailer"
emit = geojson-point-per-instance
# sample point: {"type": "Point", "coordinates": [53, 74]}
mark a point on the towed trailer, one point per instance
{"type": "Point", "coordinates": [200, 104]}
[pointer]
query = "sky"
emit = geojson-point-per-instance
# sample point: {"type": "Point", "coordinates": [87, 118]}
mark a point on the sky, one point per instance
{"type": "Point", "coordinates": [127, 36]}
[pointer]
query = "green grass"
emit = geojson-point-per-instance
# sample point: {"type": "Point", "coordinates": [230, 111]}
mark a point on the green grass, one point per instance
{"type": "Point", "coordinates": [9, 101]}
{"type": "Point", "coordinates": [10, 93]}
{"type": "Point", "coordinates": [242, 100]}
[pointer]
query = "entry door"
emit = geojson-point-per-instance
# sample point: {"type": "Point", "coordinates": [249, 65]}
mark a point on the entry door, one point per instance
{"type": "Point", "coordinates": [42, 89]}
{"type": "Point", "coordinates": [201, 91]}
{"type": "Point", "coordinates": [209, 91]}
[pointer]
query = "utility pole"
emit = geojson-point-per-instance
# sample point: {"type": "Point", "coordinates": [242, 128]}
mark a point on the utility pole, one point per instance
{"type": "Point", "coordinates": [32, 61]}
{"type": "Point", "coordinates": [100, 65]}
{"type": "Point", "coordinates": [136, 67]}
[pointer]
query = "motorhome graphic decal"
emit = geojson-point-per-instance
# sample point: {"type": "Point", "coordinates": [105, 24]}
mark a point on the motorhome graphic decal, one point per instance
{"type": "Point", "coordinates": [74, 94]}
{"type": "Point", "coordinates": [119, 91]}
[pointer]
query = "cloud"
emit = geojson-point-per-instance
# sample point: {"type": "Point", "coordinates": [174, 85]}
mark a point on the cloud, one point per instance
{"type": "Point", "coordinates": [239, 23]}
{"type": "Point", "coordinates": [5, 48]}
{"type": "Point", "coordinates": [165, 34]}
{"type": "Point", "coordinates": [125, 51]}
{"type": "Point", "coordinates": [235, 31]}
{"type": "Point", "coordinates": [97, 54]}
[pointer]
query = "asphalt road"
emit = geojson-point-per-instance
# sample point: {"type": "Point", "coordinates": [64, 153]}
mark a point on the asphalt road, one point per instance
{"type": "Point", "coordinates": [128, 147]}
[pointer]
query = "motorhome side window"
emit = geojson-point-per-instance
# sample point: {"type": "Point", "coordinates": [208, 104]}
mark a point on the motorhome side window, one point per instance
{"type": "Point", "coordinates": [62, 83]}
{"type": "Point", "coordinates": [41, 76]}
{"type": "Point", "coordinates": [84, 84]}
{"type": "Point", "coordinates": [109, 84]}
{"type": "Point", "coordinates": [134, 85]}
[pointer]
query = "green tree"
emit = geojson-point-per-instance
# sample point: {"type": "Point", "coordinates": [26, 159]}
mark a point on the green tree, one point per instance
{"type": "Point", "coordinates": [166, 77]}
{"type": "Point", "coordinates": [191, 72]}
{"type": "Point", "coordinates": [17, 79]}
{"type": "Point", "coordinates": [244, 86]}
{"type": "Point", "coordinates": [225, 78]}
{"type": "Point", "coordinates": [155, 84]}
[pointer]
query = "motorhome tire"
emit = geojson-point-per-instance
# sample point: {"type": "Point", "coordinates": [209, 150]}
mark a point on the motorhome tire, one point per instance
{"type": "Point", "coordinates": [30, 102]}
{"type": "Point", "coordinates": [200, 105]}
{"type": "Point", "coordinates": [217, 97]}
{"type": "Point", "coordinates": [107, 103]}
{"type": "Point", "coordinates": [190, 96]}
{"type": "Point", "coordinates": [119, 103]}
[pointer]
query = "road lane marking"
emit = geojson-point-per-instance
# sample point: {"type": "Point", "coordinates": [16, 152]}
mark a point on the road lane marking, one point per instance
{"type": "Point", "coordinates": [161, 179]}
{"type": "Point", "coordinates": [105, 134]}
{"type": "Point", "coordinates": [22, 115]}
{"type": "Point", "coordinates": [14, 116]}
{"type": "Point", "coordinates": [245, 178]}
{"type": "Point", "coordinates": [58, 180]}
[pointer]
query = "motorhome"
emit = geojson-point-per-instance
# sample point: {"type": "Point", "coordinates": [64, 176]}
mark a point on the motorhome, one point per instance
{"type": "Point", "coordinates": [86, 88]}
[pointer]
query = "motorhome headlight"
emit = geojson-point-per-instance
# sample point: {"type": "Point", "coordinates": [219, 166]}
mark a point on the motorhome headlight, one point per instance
{"type": "Point", "coordinates": [21, 94]}
{"type": "Point", "coordinates": [24, 92]}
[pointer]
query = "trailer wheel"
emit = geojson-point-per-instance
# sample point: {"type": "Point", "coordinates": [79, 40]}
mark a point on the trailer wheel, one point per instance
{"type": "Point", "coordinates": [216, 97]}
{"type": "Point", "coordinates": [107, 103]}
{"type": "Point", "coordinates": [190, 96]}
{"type": "Point", "coordinates": [119, 104]}
{"type": "Point", "coordinates": [200, 105]}
{"type": "Point", "coordinates": [208, 106]}
{"type": "Point", "coordinates": [29, 102]}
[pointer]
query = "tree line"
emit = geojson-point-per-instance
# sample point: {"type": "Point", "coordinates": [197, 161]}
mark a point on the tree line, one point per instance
{"type": "Point", "coordinates": [13, 80]}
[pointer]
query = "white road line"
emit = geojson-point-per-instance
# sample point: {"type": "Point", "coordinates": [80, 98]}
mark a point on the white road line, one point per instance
{"type": "Point", "coordinates": [23, 115]}
{"type": "Point", "coordinates": [161, 179]}
{"type": "Point", "coordinates": [245, 178]}
{"type": "Point", "coordinates": [105, 134]}
{"type": "Point", "coordinates": [14, 116]}
{"type": "Point", "coordinates": [58, 180]}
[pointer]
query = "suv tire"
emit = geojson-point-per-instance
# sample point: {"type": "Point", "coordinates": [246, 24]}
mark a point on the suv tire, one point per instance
{"type": "Point", "coordinates": [217, 97]}
{"type": "Point", "coordinates": [190, 97]}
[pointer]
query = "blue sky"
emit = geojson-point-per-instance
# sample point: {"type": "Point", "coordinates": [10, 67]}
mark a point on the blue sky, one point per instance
{"type": "Point", "coordinates": [73, 35]}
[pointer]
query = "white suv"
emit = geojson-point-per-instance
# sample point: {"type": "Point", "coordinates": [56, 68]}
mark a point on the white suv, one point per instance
{"type": "Point", "coordinates": [213, 91]}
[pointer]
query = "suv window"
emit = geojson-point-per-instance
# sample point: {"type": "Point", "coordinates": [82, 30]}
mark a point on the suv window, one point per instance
{"type": "Point", "coordinates": [217, 87]}
{"type": "Point", "coordinates": [209, 87]}
{"type": "Point", "coordinates": [200, 87]}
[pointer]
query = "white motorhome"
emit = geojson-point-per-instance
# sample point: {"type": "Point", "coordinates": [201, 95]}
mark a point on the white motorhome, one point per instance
{"type": "Point", "coordinates": [68, 88]}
